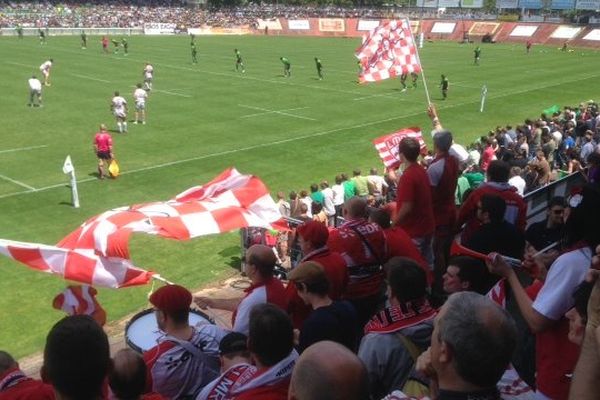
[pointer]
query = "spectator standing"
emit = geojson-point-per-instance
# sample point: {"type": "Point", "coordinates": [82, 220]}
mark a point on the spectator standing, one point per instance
{"type": "Point", "coordinates": [349, 187]}
{"type": "Point", "coordinates": [338, 196]}
{"type": "Point", "coordinates": [413, 200]}
{"type": "Point", "coordinates": [377, 185]}
{"type": "Point", "coordinates": [361, 183]}
{"type": "Point", "coordinates": [284, 206]}
{"type": "Point", "coordinates": [328, 205]}
{"type": "Point", "coordinates": [516, 180]}
{"type": "Point", "coordinates": [127, 377]}
{"type": "Point", "coordinates": [551, 230]}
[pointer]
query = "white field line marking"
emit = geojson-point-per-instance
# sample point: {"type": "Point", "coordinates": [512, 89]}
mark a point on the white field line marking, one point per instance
{"type": "Point", "coordinates": [171, 93]}
{"type": "Point", "coordinates": [19, 64]}
{"type": "Point", "coordinates": [18, 183]}
{"type": "Point", "coordinates": [276, 112]}
{"type": "Point", "coordinates": [91, 78]}
{"type": "Point", "coordinates": [271, 112]}
{"type": "Point", "coordinates": [23, 149]}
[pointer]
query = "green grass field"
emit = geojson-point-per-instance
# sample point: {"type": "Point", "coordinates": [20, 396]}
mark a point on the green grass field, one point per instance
{"type": "Point", "coordinates": [206, 117]}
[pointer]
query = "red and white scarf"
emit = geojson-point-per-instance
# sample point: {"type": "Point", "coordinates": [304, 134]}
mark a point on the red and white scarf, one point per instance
{"type": "Point", "coordinates": [12, 378]}
{"type": "Point", "coordinates": [243, 377]}
{"type": "Point", "coordinates": [399, 317]}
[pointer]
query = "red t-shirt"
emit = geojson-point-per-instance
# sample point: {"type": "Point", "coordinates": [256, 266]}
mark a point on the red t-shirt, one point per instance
{"type": "Point", "coordinates": [278, 391]}
{"type": "Point", "coordinates": [15, 385]}
{"type": "Point", "coordinates": [400, 245]}
{"type": "Point", "coordinates": [487, 157]}
{"type": "Point", "coordinates": [103, 141]}
{"type": "Point", "coordinates": [443, 176]}
{"type": "Point", "coordinates": [555, 355]}
{"type": "Point", "coordinates": [516, 208]}
{"type": "Point", "coordinates": [414, 186]}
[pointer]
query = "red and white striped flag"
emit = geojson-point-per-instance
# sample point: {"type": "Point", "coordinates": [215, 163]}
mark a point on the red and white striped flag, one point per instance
{"type": "Point", "coordinates": [97, 253]}
{"type": "Point", "coordinates": [80, 300]}
{"type": "Point", "coordinates": [498, 293]}
{"type": "Point", "coordinates": [387, 145]}
{"type": "Point", "coordinates": [388, 51]}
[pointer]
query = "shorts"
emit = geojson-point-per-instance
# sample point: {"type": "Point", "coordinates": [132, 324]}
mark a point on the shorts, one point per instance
{"type": "Point", "coordinates": [103, 155]}
{"type": "Point", "coordinates": [140, 106]}
{"type": "Point", "coordinates": [120, 114]}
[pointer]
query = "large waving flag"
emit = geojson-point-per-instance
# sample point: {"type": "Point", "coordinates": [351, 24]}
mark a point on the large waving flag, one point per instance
{"type": "Point", "coordinates": [387, 145]}
{"type": "Point", "coordinates": [97, 253]}
{"type": "Point", "coordinates": [388, 51]}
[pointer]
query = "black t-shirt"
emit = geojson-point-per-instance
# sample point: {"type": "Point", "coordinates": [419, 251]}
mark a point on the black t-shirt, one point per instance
{"type": "Point", "coordinates": [336, 322]}
{"type": "Point", "coordinates": [539, 236]}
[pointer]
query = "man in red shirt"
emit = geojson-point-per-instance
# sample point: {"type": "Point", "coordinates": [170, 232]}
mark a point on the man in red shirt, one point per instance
{"type": "Point", "coordinates": [265, 288]}
{"type": "Point", "coordinates": [362, 245]}
{"type": "Point", "coordinates": [312, 237]}
{"type": "Point", "coordinates": [496, 185]}
{"type": "Point", "coordinates": [15, 385]}
{"type": "Point", "coordinates": [489, 154]}
{"type": "Point", "coordinates": [414, 202]}
{"type": "Point", "coordinates": [103, 149]}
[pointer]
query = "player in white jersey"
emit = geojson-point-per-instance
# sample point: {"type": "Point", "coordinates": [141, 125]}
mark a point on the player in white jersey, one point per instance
{"type": "Point", "coordinates": [35, 92]}
{"type": "Point", "coordinates": [119, 108]}
{"type": "Point", "coordinates": [140, 96]}
{"type": "Point", "coordinates": [148, 76]}
{"type": "Point", "coordinates": [45, 70]}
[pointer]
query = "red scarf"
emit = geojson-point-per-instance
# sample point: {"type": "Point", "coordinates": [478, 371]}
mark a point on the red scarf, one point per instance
{"type": "Point", "coordinates": [406, 315]}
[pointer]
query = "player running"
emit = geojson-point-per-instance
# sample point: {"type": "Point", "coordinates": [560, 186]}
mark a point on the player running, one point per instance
{"type": "Point", "coordinates": [194, 54]}
{"type": "Point", "coordinates": [118, 106]}
{"type": "Point", "coordinates": [414, 76]}
{"type": "Point", "coordinates": [444, 85]}
{"type": "Point", "coordinates": [528, 46]}
{"type": "Point", "coordinates": [42, 36]}
{"type": "Point", "coordinates": [83, 40]}
{"type": "Point", "coordinates": [287, 67]}
{"type": "Point", "coordinates": [125, 45]}
{"type": "Point", "coordinates": [105, 44]}
{"type": "Point", "coordinates": [239, 63]}
{"type": "Point", "coordinates": [140, 96]}
{"type": "Point", "coordinates": [477, 54]}
{"type": "Point", "coordinates": [45, 70]}
{"type": "Point", "coordinates": [103, 150]}
{"type": "Point", "coordinates": [148, 76]}
{"type": "Point", "coordinates": [403, 78]}
{"type": "Point", "coordinates": [319, 66]}
{"type": "Point", "coordinates": [115, 43]}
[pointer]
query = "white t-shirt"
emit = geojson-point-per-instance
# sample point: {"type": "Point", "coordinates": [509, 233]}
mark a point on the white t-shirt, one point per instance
{"type": "Point", "coordinates": [45, 67]}
{"type": "Point", "coordinates": [140, 96]}
{"type": "Point", "coordinates": [519, 183]}
{"type": "Point", "coordinates": [118, 105]}
{"type": "Point", "coordinates": [338, 194]}
{"type": "Point", "coordinates": [378, 183]}
{"type": "Point", "coordinates": [565, 274]}
{"type": "Point", "coordinates": [148, 71]}
{"type": "Point", "coordinates": [35, 84]}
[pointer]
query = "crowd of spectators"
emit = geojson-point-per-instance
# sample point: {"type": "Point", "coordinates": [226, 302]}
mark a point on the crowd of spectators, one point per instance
{"type": "Point", "coordinates": [105, 14]}
{"type": "Point", "coordinates": [381, 303]}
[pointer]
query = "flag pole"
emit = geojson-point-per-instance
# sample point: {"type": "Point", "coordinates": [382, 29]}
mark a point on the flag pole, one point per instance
{"type": "Point", "coordinates": [161, 279]}
{"type": "Point", "coordinates": [419, 60]}
{"type": "Point", "coordinates": [69, 169]}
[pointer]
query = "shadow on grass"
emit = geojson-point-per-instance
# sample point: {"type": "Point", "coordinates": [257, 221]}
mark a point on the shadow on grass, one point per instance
{"type": "Point", "coordinates": [234, 256]}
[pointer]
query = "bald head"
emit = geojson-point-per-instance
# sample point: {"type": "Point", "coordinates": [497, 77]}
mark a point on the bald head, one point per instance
{"type": "Point", "coordinates": [356, 207]}
{"type": "Point", "coordinates": [263, 258]}
{"type": "Point", "coordinates": [127, 379]}
{"type": "Point", "coordinates": [329, 371]}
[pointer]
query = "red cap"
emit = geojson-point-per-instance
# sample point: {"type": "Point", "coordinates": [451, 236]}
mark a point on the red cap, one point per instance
{"type": "Point", "coordinates": [314, 232]}
{"type": "Point", "coordinates": [171, 298]}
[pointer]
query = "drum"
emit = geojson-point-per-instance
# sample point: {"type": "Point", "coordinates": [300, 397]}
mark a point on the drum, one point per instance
{"type": "Point", "coordinates": [142, 333]}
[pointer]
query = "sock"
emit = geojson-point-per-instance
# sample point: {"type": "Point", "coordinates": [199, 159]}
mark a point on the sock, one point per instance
{"type": "Point", "coordinates": [125, 126]}
{"type": "Point", "coordinates": [120, 127]}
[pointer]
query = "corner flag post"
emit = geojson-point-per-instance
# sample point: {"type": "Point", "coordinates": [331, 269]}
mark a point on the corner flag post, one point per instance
{"type": "Point", "coordinates": [68, 168]}
{"type": "Point", "coordinates": [483, 94]}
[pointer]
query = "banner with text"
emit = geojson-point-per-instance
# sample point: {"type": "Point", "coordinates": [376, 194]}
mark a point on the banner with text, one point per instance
{"type": "Point", "coordinates": [299, 24]}
{"type": "Point", "coordinates": [159, 28]}
{"type": "Point", "coordinates": [587, 5]}
{"type": "Point", "coordinates": [332, 24]}
{"type": "Point", "coordinates": [272, 24]}
{"type": "Point", "coordinates": [367, 25]}
{"type": "Point", "coordinates": [507, 3]}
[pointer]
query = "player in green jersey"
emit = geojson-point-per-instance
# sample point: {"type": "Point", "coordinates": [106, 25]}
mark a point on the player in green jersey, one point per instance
{"type": "Point", "coordinates": [239, 63]}
{"type": "Point", "coordinates": [115, 43]}
{"type": "Point", "coordinates": [194, 54]}
{"type": "Point", "coordinates": [319, 66]}
{"type": "Point", "coordinates": [414, 76]}
{"type": "Point", "coordinates": [287, 67]}
{"type": "Point", "coordinates": [125, 45]}
{"type": "Point", "coordinates": [444, 85]}
{"type": "Point", "coordinates": [19, 29]}
{"type": "Point", "coordinates": [477, 54]}
{"type": "Point", "coordinates": [83, 40]}
{"type": "Point", "coordinates": [403, 81]}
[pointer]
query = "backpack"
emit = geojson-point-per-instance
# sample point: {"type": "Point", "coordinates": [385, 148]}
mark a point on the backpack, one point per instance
{"type": "Point", "coordinates": [414, 386]}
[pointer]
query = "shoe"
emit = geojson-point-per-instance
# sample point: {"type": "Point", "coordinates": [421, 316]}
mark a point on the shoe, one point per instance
{"type": "Point", "coordinates": [135, 122]}
{"type": "Point", "coordinates": [143, 122]}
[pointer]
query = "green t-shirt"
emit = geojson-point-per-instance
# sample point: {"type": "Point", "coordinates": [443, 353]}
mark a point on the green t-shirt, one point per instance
{"type": "Point", "coordinates": [362, 185]}
{"type": "Point", "coordinates": [285, 61]}
{"type": "Point", "coordinates": [317, 197]}
{"type": "Point", "coordinates": [462, 185]}
{"type": "Point", "coordinates": [475, 179]}
{"type": "Point", "coordinates": [349, 189]}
